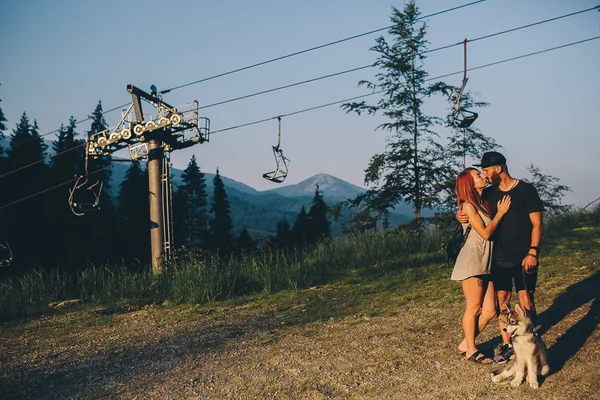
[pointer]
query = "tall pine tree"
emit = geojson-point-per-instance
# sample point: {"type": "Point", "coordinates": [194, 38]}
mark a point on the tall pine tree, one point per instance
{"type": "Point", "coordinates": [99, 167]}
{"type": "Point", "coordinates": [101, 224]}
{"type": "Point", "coordinates": [244, 241]}
{"type": "Point", "coordinates": [3, 167]}
{"type": "Point", "coordinates": [134, 213]}
{"type": "Point", "coordinates": [220, 225]}
{"type": "Point", "coordinates": [66, 164]}
{"type": "Point", "coordinates": [414, 159]}
{"type": "Point", "coordinates": [301, 229]}
{"type": "Point", "coordinates": [190, 209]}
{"type": "Point", "coordinates": [283, 238]}
{"type": "Point", "coordinates": [2, 137]}
{"type": "Point", "coordinates": [69, 152]}
{"type": "Point", "coordinates": [318, 221]}
{"type": "Point", "coordinates": [27, 175]}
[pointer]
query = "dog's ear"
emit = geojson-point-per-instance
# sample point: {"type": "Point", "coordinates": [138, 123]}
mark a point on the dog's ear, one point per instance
{"type": "Point", "coordinates": [519, 310]}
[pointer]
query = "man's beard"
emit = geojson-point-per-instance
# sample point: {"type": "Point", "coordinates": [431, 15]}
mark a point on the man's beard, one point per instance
{"type": "Point", "coordinates": [494, 179]}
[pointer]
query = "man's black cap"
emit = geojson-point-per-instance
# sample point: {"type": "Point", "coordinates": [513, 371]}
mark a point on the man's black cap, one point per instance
{"type": "Point", "coordinates": [491, 158]}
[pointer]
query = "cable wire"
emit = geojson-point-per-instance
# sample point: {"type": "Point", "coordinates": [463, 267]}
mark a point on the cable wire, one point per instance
{"type": "Point", "coordinates": [334, 103]}
{"type": "Point", "coordinates": [51, 188]}
{"type": "Point", "coordinates": [311, 49]}
{"type": "Point", "coordinates": [330, 76]}
{"type": "Point", "coordinates": [427, 80]}
{"type": "Point", "coordinates": [335, 74]}
{"type": "Point", "coordinates": [277, 59]}
{"type": "Point", "coordinates": [42, 160]}
{"type": "Point", "coordinates": [374, 31]}
{"type": "Point", "coordinates": [533, 24]}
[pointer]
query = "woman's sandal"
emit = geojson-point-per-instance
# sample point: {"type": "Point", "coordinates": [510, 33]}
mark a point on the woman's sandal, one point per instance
{"type": "Point", "coordinates": [475, 357]}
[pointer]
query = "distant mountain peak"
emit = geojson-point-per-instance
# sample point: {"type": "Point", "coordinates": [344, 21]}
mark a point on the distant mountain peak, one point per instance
{"type": "Point", "coordinates": [330, 186]}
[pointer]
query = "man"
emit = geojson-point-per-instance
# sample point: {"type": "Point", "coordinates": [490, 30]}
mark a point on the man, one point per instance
{"type": "Point", "coordinates": [516, 240]}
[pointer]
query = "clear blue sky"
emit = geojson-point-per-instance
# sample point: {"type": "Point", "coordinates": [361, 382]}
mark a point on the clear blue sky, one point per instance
{"type": "Point", "coordinates": [58, 58]}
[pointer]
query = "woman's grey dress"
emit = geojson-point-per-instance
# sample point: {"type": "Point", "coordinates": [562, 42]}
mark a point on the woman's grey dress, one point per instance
{"type": "Point", "coordinates": [475, 257]}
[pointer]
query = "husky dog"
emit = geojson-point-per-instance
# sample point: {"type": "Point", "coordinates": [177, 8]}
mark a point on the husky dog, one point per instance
{"type": "Point", "coordinates": [530, 351]}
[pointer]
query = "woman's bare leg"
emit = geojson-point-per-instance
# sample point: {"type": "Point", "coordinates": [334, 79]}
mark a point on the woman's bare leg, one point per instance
{"type": "Point", "coordinates": [473, 290]}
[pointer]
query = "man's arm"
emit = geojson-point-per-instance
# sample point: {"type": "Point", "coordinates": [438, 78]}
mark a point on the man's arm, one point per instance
{"type": "Point", "coordinates": [530, 261]}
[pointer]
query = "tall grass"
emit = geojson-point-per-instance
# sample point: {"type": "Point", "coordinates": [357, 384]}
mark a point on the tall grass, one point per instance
{"type": "Point", "coordinates": [195, 279]}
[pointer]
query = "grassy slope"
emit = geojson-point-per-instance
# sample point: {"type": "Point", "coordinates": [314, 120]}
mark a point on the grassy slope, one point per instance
{"type": "Point", "coordinates": [380, 335]}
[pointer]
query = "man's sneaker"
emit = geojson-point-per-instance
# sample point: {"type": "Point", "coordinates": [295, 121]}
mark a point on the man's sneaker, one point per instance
{"type": "Point", "coordinates": [505, 354]}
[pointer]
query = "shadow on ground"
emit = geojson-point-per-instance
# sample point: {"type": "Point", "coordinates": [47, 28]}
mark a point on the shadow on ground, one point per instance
{"type": "Point", "coordinates": [574, 297]}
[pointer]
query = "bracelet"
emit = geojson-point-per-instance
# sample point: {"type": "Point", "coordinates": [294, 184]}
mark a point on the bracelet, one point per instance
{"type": "Point", "coordinates": [532, 255]}
{"type": "Point", "coordinates": [536, 248]}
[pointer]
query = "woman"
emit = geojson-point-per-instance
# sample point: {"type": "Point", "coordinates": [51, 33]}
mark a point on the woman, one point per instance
{"type": "Point", "coordinates": [472, 267]}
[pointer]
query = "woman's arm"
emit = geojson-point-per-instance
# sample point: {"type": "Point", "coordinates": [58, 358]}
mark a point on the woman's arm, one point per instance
{"type": "Point", "coordinates": [477, 223]}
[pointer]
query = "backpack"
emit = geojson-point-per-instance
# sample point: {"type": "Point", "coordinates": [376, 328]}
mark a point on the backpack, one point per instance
{"type": "Point", "coordinates": [456, 242]}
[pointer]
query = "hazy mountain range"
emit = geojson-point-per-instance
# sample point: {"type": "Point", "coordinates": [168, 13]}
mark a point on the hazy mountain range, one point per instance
{"type": "Point", "coordinates": [260, 211]}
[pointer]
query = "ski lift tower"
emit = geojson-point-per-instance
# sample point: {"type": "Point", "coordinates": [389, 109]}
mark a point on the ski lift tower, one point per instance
{"type": "Point", "coordinates": [154, 136]}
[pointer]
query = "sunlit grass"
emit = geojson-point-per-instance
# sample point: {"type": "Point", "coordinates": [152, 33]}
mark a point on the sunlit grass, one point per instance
{"type": "Point", "coordinates": [400, 254]}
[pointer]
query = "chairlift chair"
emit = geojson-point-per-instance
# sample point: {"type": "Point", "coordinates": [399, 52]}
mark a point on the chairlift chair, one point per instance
{"type": "Point", "coordinates": [281, 168]}
{"type": "Point", "coordinates": [85, 197]}
{"type": "Point", "coordinates": [460, 117]}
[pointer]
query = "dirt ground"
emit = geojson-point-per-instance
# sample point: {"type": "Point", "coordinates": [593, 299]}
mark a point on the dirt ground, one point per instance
{"type": "Point", "coordinates": [269, 352]}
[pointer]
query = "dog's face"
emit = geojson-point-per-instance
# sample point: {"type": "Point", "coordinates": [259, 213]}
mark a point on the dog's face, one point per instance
{"type": "Point", "coordinates": [517, 321]}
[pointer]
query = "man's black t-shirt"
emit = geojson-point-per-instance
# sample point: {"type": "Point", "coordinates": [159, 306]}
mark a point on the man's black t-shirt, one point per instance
{"type": "Point", "coordinates": [512, 237]}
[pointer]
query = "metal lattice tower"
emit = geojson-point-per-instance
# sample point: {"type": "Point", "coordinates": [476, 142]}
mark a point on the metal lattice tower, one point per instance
{"type": "Point", "coordinates": [154, 136]}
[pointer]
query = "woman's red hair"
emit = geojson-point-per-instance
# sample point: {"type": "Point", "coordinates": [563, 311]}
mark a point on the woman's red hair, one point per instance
{"type": "Point", "coordinates": [466, 192]}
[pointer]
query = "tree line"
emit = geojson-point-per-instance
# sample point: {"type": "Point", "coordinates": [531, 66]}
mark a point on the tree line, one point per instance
{"type": "Point", "coordinates": [40, 227]}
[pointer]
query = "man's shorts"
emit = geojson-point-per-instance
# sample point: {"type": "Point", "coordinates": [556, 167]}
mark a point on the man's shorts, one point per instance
{"type": "Point", "coordinates": [505, 272]}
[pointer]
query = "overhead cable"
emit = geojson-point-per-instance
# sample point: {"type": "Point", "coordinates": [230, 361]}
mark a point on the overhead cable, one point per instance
{"type": "Point", "coordinates": [427, 80]}
{"type": "Point", "coordinates": [349, 71]}
{"type": "Point", "coordinates": [339, 73]}
{"type": "Point", "coordinates": [311, 49]}
{"type": "Point", "coordinates": [51, 188]}
{"type": "Point", "coordinates": [337, 102]}
{"type": "Point", "coordinates": [42, 160]}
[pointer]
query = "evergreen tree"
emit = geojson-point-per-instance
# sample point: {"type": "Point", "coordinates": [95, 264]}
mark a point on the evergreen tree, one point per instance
{"type": "Point", "coordinates": [100, 164]}
{"type": "Point", "coordinates": [220, 225]}
{"type": "Point", "coordinates": [283, 238]}
{"type": "Point", "coordinates": [25, 221]}
{"type": "Point", "coordinates": [319, 225]}
{"type": "Point", "coordinates": [27, 147]}
{"type": "Point", "coordinates": [413, 159]}
{"type": "Point", "coordinates": [301, 229]}
{"type": "Point", "coordinates": [134, 210]}
{"type": "Point", "coordinates": [3, 166]}
{"type": "Point", "coordinates": [244, 241]}
{"type": "Point", "coordinates": [190, 208]}
{"type": "Point", "coordinates": [65, 166]}
{"type": "Point", "coordinates": [2, 129]}
{"type": "Point", "coordinates": [69, 152]}
{"type": "Point", "coordinates": [101, 224]}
